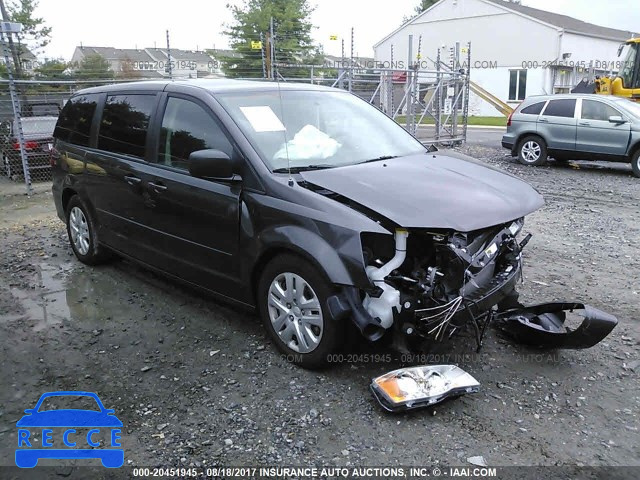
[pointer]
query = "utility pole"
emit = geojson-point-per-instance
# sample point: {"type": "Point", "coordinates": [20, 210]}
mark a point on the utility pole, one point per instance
{"type": "Point", "coordinates": [14, 52]}
{"type": "Point", "coordinates": [169, 63]}
{"type": "Point", "coordinates": [8, 29]}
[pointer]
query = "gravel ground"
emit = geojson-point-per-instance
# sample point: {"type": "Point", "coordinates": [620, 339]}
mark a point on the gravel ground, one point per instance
{"type": "Point", "coordinates": [197, 383]}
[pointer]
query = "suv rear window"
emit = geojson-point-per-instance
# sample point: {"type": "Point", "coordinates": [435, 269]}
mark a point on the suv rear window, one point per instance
{"type": "Point", "coordinates": [74, 123]}
{"type": "Point", "coordinates": [561, 108]}
{"type": "Point", "coordinates": [125, 122]}
{"type": "Point", "coordinates": [533, 109]}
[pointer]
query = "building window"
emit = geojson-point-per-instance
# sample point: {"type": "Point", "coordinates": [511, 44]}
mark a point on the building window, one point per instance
{"type": "Point", "coordinates": [517, 84]}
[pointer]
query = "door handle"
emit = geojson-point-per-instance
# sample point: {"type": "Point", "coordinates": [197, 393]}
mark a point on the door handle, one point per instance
{"type": "Point", "coordinates": [157, 187]}
{"type": "Point", "coordinates": [584, 123]}
{"type": "Point", "coordinates": [543, 120]}
{"type": "Point", "coordinates": [131, 180]}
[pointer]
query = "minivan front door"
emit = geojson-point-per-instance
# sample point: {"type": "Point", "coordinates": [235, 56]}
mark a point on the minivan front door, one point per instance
{"type": "Point", "coordinates": [194, 222]}
{"type": "Point", "coordinates": [597, 135]}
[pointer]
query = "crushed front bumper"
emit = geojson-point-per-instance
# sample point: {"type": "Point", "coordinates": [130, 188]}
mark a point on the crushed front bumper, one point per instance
{"type": "Point", "coordinates": [544, 325]}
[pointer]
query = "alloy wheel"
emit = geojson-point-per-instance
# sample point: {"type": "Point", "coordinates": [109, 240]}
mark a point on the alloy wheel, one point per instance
{"type": "Point", "coordinates": [79, 230]}
{"type": "Point", "coordinates": [531, 151]}
{"type": "Point", "coordinates": [295, 312]}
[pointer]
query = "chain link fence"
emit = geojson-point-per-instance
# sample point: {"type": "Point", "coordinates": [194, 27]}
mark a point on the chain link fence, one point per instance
{"type": "Point", "coordinates": [39, 103]}
{"type": "Point", "coordinates": [431, 104]}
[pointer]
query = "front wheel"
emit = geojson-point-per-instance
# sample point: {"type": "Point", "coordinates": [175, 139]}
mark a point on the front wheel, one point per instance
{"type": "Point", "coordinates": [292, 300]}
{"type": "Point", "coordinates": [532, 151]}
{"type": "Point", "coordinates": [635, 163]}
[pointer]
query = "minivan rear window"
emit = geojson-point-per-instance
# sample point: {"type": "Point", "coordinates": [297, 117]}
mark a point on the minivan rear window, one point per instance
{"type": "Point", "coordinates": [561, 108]}
{"type": "Point", "coordinates": [74, 122]}
{"type": "Point", "coordinates": [533, 109]}
{"type": "Point", "coordinates": [125, 122]}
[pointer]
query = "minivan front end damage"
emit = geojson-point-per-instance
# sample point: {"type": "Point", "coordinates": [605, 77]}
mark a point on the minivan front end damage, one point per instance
{"type": "Point", "coordinates": [437, 281]}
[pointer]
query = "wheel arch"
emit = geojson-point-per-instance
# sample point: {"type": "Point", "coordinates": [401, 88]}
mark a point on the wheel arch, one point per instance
{"type": "Point", "coordinates": [67, 194]}
{"type": "Point", "coordinates": [306, 245]}
{"type": "Point", "coordinates": [523, 135]}
{"type": "Point", "coordinates": [633, 149]}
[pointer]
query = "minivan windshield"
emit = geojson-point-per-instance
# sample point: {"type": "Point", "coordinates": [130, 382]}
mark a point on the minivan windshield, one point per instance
{"type": "Point", "coordinates": [316, 129]}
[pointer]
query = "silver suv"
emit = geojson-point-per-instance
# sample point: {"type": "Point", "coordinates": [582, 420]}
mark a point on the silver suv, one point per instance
{"type": "Point", "coordinates": [573, 126]}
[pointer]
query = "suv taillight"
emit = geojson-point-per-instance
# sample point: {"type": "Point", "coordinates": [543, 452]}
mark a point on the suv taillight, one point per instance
{"type": "Point", "coordinates": [509, 118]}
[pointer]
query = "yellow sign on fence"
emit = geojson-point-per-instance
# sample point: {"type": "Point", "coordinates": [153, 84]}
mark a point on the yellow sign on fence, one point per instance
{"type": "Point", "coordinates": [333, 37]}
{"type": "Point", "coordinates": [256, 45]}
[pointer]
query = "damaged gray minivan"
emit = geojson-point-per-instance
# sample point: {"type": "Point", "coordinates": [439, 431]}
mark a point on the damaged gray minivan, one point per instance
{"type": "Point", "coordinates": [303, 202]}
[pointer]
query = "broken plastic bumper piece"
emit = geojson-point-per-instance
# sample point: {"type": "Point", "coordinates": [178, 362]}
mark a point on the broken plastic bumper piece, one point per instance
{"type": "Point", "coordinates": [416, 387]}
{"type": "Point", "coordinates": [544, 325]}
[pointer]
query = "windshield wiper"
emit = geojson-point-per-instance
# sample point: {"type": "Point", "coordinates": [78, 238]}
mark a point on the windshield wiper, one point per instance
{"type": "Point", "coordinates": [302, 168]}
{"type": "Point", "coordinates": [383, 157]}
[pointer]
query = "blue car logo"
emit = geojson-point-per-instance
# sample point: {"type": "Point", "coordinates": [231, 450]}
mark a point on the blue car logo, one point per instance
{"type": "Point", "coordinates": [36, 438]}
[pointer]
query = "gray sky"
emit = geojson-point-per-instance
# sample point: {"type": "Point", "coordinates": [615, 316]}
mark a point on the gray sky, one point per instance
{"type": "Point", "coordinates": [197, 24]}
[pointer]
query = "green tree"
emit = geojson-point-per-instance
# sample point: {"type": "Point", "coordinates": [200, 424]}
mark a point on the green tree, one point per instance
{"type": "Point", "coordinates": [34, 35]}
{"type": "Point", "coordinates": [127, 69]}
{"type": "Point", "coordinates": [421, 7]}
{"type": "Point", "coordinates": [292, 32]}
{"type": "Point", "coordinates": [52, 69]}
{"type": "Point", "coordinates": [94, 67]}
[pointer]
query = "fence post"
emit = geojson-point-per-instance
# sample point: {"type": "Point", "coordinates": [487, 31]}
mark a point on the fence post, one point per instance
{"type": "Point", "coordinates": [437, 94]}
{"type": "Point", "coordinates": [351, 61]}
{"type": "Point", "coordinates": [264, 65]}
{"type": "Point", "coordinates": [467, 84]}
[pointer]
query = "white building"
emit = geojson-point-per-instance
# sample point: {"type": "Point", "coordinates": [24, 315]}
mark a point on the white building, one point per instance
{"type": "Point", "coordinates": [516, 51]}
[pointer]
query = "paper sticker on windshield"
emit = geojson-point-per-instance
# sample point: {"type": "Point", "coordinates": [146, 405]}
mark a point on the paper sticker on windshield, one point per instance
{"type": "Point", "coordinates": [262, 119]}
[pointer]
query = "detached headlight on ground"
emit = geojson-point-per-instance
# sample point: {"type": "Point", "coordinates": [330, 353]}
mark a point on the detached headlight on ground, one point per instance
{"type": "Point", "coordinates": [415, 387]}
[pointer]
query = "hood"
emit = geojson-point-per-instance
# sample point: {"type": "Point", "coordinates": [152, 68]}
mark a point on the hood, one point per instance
{"type": "Point", "coordinates": [433, 190]}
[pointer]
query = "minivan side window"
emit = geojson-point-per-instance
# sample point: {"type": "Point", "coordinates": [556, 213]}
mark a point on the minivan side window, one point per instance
{"type": "Point", "coordinates": [533, 109]}
{"type": "Point", "coordinates": [74, 122]}
{"type": "Point", "coordinates": [124, 125]}
{"type": "Point", "coordinates": [561, 108]}
{"type": "Point", "coordinates": [593, 110]}
{"type": "Point", "coordinates": [187, 127]}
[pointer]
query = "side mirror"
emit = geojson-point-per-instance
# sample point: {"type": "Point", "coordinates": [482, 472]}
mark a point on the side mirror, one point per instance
{"type": "Point", "coordinates": [616, 119]}
{"type": "Point", "coordinates": [210, 164]}
{"type": "Point", "coordinates": [109, 411]}
{"type": "Point", "coordinates": [29, 411]}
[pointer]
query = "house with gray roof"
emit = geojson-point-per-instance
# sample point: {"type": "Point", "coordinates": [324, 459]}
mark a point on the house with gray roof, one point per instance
{"type": "Point", "coordinates": [153, 62]}
{"type": "Point", "coordinates": [516, 51]}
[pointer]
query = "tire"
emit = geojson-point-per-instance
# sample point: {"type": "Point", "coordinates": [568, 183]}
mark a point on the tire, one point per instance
{"type": "Point", "coordinates": [532, 150]}
{"type": "Point", "coordinates": [279, 305]}
{"type": "Point", "coordinates": [635, 163]}
{"type": "Point", "coordinates": [83, 233]}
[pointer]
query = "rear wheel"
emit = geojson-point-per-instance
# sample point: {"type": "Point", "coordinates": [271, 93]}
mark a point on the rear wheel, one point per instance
{"type": "Point", "coordinates": [532, 151]}
{"type": "Point", "coordinates": [83, 234]}
{"type": "Point", "coordinates": [635, 163]}
{"type": "Point", "coordinates": [292, 300]}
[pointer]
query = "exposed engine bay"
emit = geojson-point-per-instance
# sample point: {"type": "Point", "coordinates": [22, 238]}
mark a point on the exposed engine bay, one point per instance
{"type": "Point", "coordinates": [449, 258]}
{"type": "Point", "coordinates": [428, 285]}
